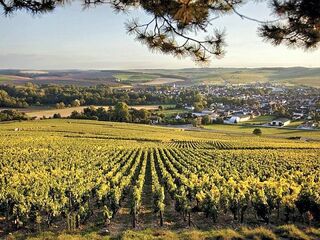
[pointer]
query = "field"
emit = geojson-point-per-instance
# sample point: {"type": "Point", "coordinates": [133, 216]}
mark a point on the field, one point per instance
{"type": "Point", "coordinates": [287, 76]}
{"type": "Point", "coordinates": [134, 77]}
{"type": "Point", "coordinates": [261, 120]}
{"type": "Point", "coordinates": [8, 78]}
{"type": "Point", "coordinates": [266, 131]}
{"type": "Point", "coordinates": [163, 81]}
{"type": "Point", "coordinates": [86, 177]}
{"type": "Point", "coordinates": [194, 76]}
{"type": "Point", "coordinates": [47, 112]}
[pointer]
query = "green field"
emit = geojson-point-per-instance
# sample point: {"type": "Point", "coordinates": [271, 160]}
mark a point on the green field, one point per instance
{"type": "Point", "coordinates": [4, 78]}
{"type": "Point", "coordinates": [266, 131]}
{"type": "Point", "coordinates": [135, 77]}
{"type": "Point", "coordinates": [287, 76]}
{"type": "Point", "coordinates": [172, 112]}
{"type": "Point", "coordinates": [73, 179]}
{"type": "Point", "coordinates": [295, 76]}
{"type": "Point", "coordinates": [260, 120]}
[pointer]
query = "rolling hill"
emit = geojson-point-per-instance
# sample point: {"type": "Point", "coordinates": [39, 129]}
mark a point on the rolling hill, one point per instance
{"type": "Point", "coordinates": [150, 77]}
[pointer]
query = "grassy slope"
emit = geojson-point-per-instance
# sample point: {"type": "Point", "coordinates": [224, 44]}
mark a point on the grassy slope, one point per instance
{"type": "Point", "coordinates": [261, 119]}
{"type": "Point", "coordinates": [258, 233]}
{"type": "Point", "coordinates": [4, 78]}
{"type": "Point", "coordinates": [296, 76]}
{"type": "Point", "coordinates": [135, 77]}
{"type": "Point", "coordinates": [266, 131]}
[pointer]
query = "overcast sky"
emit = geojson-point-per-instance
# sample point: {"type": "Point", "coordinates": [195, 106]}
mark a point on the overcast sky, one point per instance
{"type": "Point", "coordinates": [70, 38]}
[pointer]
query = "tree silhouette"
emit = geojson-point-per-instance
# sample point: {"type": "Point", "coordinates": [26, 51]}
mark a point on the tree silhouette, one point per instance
{"type": "Point", "coordinates": [174, 23]}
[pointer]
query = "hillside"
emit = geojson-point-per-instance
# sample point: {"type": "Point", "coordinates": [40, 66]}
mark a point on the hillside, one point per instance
{"type": "Point", "coordinates": [152, 77]}
{"type": "Point", "coordinates": [294, 76]}
{"type": "Point", "coordinates": [83, 177]}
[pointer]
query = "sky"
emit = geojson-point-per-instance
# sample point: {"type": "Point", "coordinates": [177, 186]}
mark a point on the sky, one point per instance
{"type": "Point", "coordinates": [95, 38]}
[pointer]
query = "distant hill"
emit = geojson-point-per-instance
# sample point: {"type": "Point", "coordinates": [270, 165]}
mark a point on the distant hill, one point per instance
{"type": "Point", "coordinates": [294, 75]}
{"type": "Point", "coordinates": [188, 76]}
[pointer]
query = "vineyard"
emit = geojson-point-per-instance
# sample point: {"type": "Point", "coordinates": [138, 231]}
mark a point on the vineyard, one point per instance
{"type": "Point", "coordinates": [60, 175]}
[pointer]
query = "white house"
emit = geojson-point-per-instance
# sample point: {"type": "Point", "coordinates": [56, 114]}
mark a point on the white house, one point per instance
{"type": "Point", "coordinates": [280, 122]}
{"type": "Point", "coordinates": [191, 108]}
{"type": "Point", "coordinates": [297, 116]}
{"type": "Point", "coordinates": [207, 112]}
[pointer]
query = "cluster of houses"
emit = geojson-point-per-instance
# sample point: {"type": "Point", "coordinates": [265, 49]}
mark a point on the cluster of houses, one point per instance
{"type": "Point", "coordinates": [240, 116]}
{"type": "Point", "coordinates": [240, 103]}
{"type": "Point", "coordinates": [265, 102]}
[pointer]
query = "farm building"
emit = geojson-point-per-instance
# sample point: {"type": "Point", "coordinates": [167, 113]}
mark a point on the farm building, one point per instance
{"type": "Point", "coordinates": [280, 122]}
{"type": "Point", "coordinates": [297, 115]}
{"type": "Point", "coordinates": [237, 119]}
{"type": "Point", "coordinates": [189, 108]}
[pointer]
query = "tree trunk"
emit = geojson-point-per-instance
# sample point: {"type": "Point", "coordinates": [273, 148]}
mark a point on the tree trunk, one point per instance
{"type": "Point", "coordinates": [134, 218]}
{"type": "Point", "coordinates": [39, 227]}
{"type": "Point", "coordinates": [242, 217]}
{"type": "Point", "coordinates": [49, 220]}
{"type": "Point", "coordinates": [242, 212]}
{"type": "Point", "coordinates": [189, 219]}
{"type": "Point", "coordinates": [77, 221]}
{"type": "Point", "coordinates": [69, 221]}
{"type": "Point", "coordinates": [161, 218]}
{"type": "Point", "coordinates": [7, 216]}
{"type": "Point", "coordinates": [235, 216]}
{"type": "Point", "coordinates": [184, 215]}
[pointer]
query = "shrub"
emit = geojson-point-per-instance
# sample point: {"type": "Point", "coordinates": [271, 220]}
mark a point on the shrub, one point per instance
{"type": "Point", "coordinates": [164, 234]}
{"type": "Point", "coordinates": [259, 233]}
{"type": "Point", "coordinates": [224, 234]}
{"type": "Point", "coordinates": [193, 235]}
{"type": "Point", "coordinates": [257, 131]}
{"type": "Point", "coordinates": [313, 232]}
{"type": "Point", "coordinates": [136, 235]}
{"type": "Point", "coordinates": [291, 232]}
{"type": "Point", "coordinates": [57, 115]}
{"type": "Point", "coordinates": [44, 235]}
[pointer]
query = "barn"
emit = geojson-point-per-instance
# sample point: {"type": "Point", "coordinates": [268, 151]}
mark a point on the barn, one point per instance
{"type": "Point", "coordinates": [280, 122]}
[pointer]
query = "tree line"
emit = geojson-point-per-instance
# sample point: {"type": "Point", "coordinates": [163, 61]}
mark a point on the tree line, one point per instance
{"type": "Point", "coordinates": [102, 95]}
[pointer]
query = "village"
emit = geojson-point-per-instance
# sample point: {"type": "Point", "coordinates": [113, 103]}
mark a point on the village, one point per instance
{"type": "Point", "coordinates": [260, 104]}
{"type": "Point", "coordinates": [266, 105]}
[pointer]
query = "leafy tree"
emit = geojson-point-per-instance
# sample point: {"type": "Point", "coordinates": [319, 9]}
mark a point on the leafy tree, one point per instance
{"type": "Point", "coordinates": [197, 122]}
{"type": "Point", "coordinates": [75, 103]}
{"type": "Point", "coordinates": [121, 112]}
{"type": "Point", "coordinates": [57, 115]}
{"type": "Point", "coordinates": [60, 105]}
{"type": "Point", "coordinates": [9, 115]}
{"type": "Point", "coordinates": [198, 106]}
{"type": "Point", "coordinates": [205, 120]}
